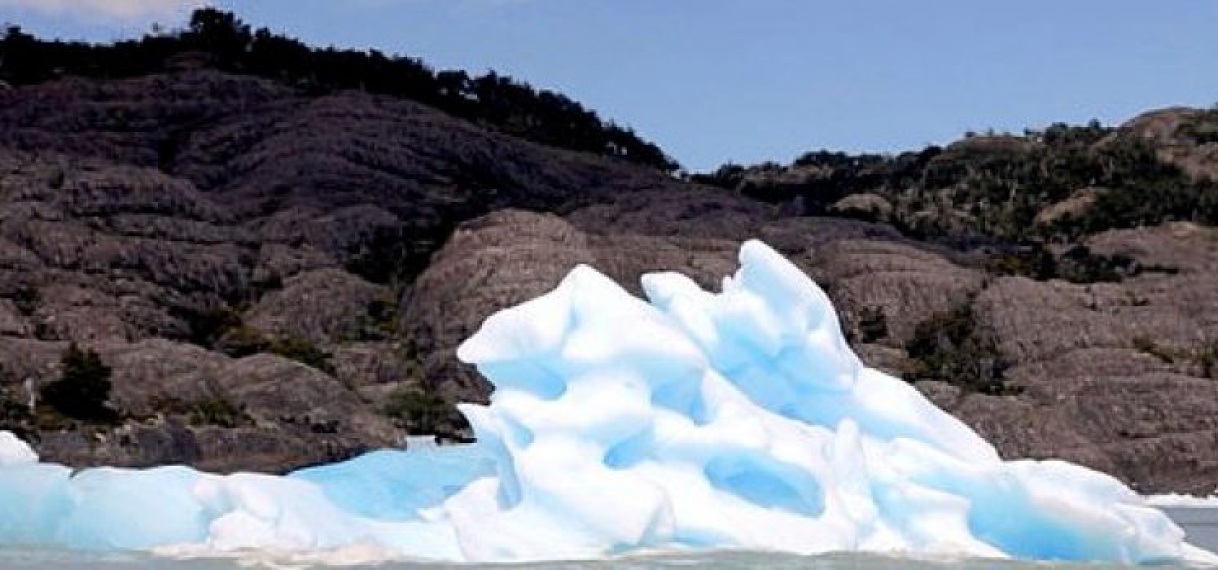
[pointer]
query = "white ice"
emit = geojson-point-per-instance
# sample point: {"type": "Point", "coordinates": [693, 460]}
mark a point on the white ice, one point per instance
{"type": "Point", "coordinates": [739, 419]}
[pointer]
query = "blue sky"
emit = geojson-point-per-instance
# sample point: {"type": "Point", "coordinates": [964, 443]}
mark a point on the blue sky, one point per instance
{"type": "Point", "coordinates": [751, 80]}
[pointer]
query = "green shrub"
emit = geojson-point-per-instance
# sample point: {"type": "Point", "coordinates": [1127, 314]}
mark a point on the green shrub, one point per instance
{"type": "Point", "coordinates": [301, 350]}
{"type": "Point", "coordinates": [873, 325]}
{"type": "Point", "coordinates": [1145, 344]}
{"type": "Point", "coordinates": [949, 348]}
{"type": "Point", "coordinates": [27, 300]}
{"type": "Point", "coordinates": [217, 411]}
{"type": "Point", "coordinates": [12, 409]}
{"type": "Point", "coordinates": [417, 410]}
{"type": "Point", "coordinates": [241, 341]}
{"type": "Point", "coordinates": [209, 411]}
{"type": "Point", "coordinates": [14, 414]}
{"type": "Point", "coordinates": [83, 389]}
{"type": "Point", "coordinates": [1207, 359]}
{"type": "Point", "coordinates": [378, 321]}
{"type": "Point", "coordinates": [1077, 264]}
{"type": "Point", "coordinates": [1033, 262]}
{"type": "Point", "coordinates": [207, 327]}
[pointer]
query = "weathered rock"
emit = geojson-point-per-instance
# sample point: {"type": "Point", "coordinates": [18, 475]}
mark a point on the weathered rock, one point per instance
{"type": "Point", "coordinates": [1072, 207]}
{"type": "Point", "coordinates": [1173, 131]}
{"type": "Point", "coordinates": [320, 306]}
{"type": "Point", "coordinates": [872, 206]}
{"type": "Point", "coordinates": [139, 215]}
{"type": "Point", "coordinates": [184, 404]}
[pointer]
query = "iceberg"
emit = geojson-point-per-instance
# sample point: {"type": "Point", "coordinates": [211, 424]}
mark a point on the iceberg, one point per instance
{"type": "Point", "coordinates": [737, 419]}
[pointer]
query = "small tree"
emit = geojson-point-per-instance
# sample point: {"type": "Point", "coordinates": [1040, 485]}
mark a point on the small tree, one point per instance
{"type": "Point", "coordinates": [873, 325]}
{"type": "Point", "coordinates": [83, 387]}
{"type": "Point", "coordinates": [13, 412]}
{"type": "Point", "coordinates": [418, 410]}
{"type": "Point", "coordinates": [301, 350]}
{"type": "Point", "coordinates": [950, 348]}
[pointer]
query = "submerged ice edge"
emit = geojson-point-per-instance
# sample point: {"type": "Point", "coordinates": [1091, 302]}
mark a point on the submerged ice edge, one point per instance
{"type": "Point", "coordinates": [739, 419]}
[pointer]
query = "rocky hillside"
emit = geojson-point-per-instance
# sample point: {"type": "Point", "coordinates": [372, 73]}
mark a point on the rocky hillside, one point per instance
{"type": "Point", "coordinates": [264, 276]}
{"type": "Point", "coordinates": [235, 251]}
{"type": "Point", "coordinates": [1121, 376]}
{"type": "Point", "coordinates": [1057, 184]}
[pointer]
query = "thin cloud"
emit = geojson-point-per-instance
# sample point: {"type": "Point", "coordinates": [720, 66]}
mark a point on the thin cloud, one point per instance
{"type": "Point", "coordinates": [117, 10]}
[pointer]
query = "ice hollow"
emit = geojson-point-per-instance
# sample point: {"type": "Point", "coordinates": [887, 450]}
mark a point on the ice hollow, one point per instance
{"type": "Point", "coordinates": [737, 419]}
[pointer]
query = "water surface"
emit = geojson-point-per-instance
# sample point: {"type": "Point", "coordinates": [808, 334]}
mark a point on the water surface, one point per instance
{"type": "Point", "coordinates": [48, 559]}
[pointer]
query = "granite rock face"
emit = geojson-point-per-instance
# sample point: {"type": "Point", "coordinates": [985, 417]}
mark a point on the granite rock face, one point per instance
{"type": "Point", "coordinates": [1110, 375]}
{"type": "Point", "coordinates": [266, 270]}
{"type": "Point", "coordinates": [235, 249]}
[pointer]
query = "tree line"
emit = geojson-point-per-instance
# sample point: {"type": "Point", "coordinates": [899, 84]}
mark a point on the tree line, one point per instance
{"type": "Point", "coordinates": [991, 188]}
{"type": "Point", "coordinates": [223, 41]}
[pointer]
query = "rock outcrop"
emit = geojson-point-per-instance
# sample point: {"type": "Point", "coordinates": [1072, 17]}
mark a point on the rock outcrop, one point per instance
{"type": "Point", "coordinates": [266, 270]}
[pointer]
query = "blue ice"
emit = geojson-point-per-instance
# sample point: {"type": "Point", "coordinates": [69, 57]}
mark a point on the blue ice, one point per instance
{"type": "Point", "coordinates": [692, 419]}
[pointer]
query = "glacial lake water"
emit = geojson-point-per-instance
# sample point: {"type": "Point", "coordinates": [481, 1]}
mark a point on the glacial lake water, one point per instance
{"type": "Point", "coordinates": [39, 559]}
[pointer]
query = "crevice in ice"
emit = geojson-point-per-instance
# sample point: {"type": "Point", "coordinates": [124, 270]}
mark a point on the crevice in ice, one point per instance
{"type": "Point", "coordinates": [766, 483]}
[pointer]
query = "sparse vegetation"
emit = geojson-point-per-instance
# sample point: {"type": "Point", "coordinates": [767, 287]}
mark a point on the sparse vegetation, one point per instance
{"type": "Point", "coordinates": [948, 347]}
{"type": "Point", "coordinates": [379, 321]}
{"type": "Point", "coordinates": [873, 325]}
{"type": "Point", "coordinates": [241, 341]}
{"type": "Point", "coordinates": [27, 300]}
{"type": "Point", "coordinates": [216, 410]}
{"type": "Point", "coordinates": [83, 390]}
{"type": "Point", "coordinates": [394, 256]}
{"type": "Point", "coordinates": [990, 188]}
{"type": "Point", "coordinates": [1078, 264]}
{"type": "Point", "coordinates": [1207, 359]}
{"type": "Point", "coordinates": [224, 330]}
{"type": "Point", "coordinates": [207, 327]}
{"type": "Point", "coordinates": [301, 350]}
{"type": "Point", "coordinates": [219, 39]}
{"type": "Point", "coordinates": [417, 410]}
{"type": "Point", "coordinates": [14, 414]}
{"type": "Point", "coordinates": [1200, 360]}
{"type": "Point", "coordinates": [1149, 346]}
{"type": "Point", "coordinates": [1205, 129]}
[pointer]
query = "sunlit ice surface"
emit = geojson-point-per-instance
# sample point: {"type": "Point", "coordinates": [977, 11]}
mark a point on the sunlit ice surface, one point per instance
{"type": "Point", "coordinates": [691, 421]}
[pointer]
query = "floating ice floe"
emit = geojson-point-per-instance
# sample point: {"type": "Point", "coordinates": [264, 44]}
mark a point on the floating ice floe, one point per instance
{"type": "Point", "coordinates": [693, 420]}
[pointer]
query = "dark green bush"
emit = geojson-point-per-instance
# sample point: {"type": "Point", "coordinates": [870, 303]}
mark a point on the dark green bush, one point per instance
{"type": "Point", "coordinates": [948, 347]}
{"type": "Point", "coordinates": [241, 341]}
{"type": "Point", "coordinates": [14, 414]}
{"type": "Point", "coordinates": [1033, 262]}
{"type": "Point", "coordinates": [217, 411]}
{"type": "Point", "coordinates": [224, 330]}
{"type": "Point", "coordinates": [206, 327]}
{"type": "Point", "coordinates": [417, 410]}
{"type": "Point", "coordinates": [83, 389]}
{"type": "Point", "coordinates": [27, 300]}
{"type": "Point", "coordinates": [1207, 358]}
{"type": "Point", "coordinates": [1147, 345]}
{"type": "Point", "coordinates": [990, 189]}
{"type": "Point", "coordinates": [873, 325]}
{"type": "Point", "coordinates": [1077, 264]}
{"type": "Point", "coordinates": [301, 350]}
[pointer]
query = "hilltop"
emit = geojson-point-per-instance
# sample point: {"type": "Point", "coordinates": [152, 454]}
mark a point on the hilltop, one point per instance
{"type": "Point", "coordinates": [275, 261]}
